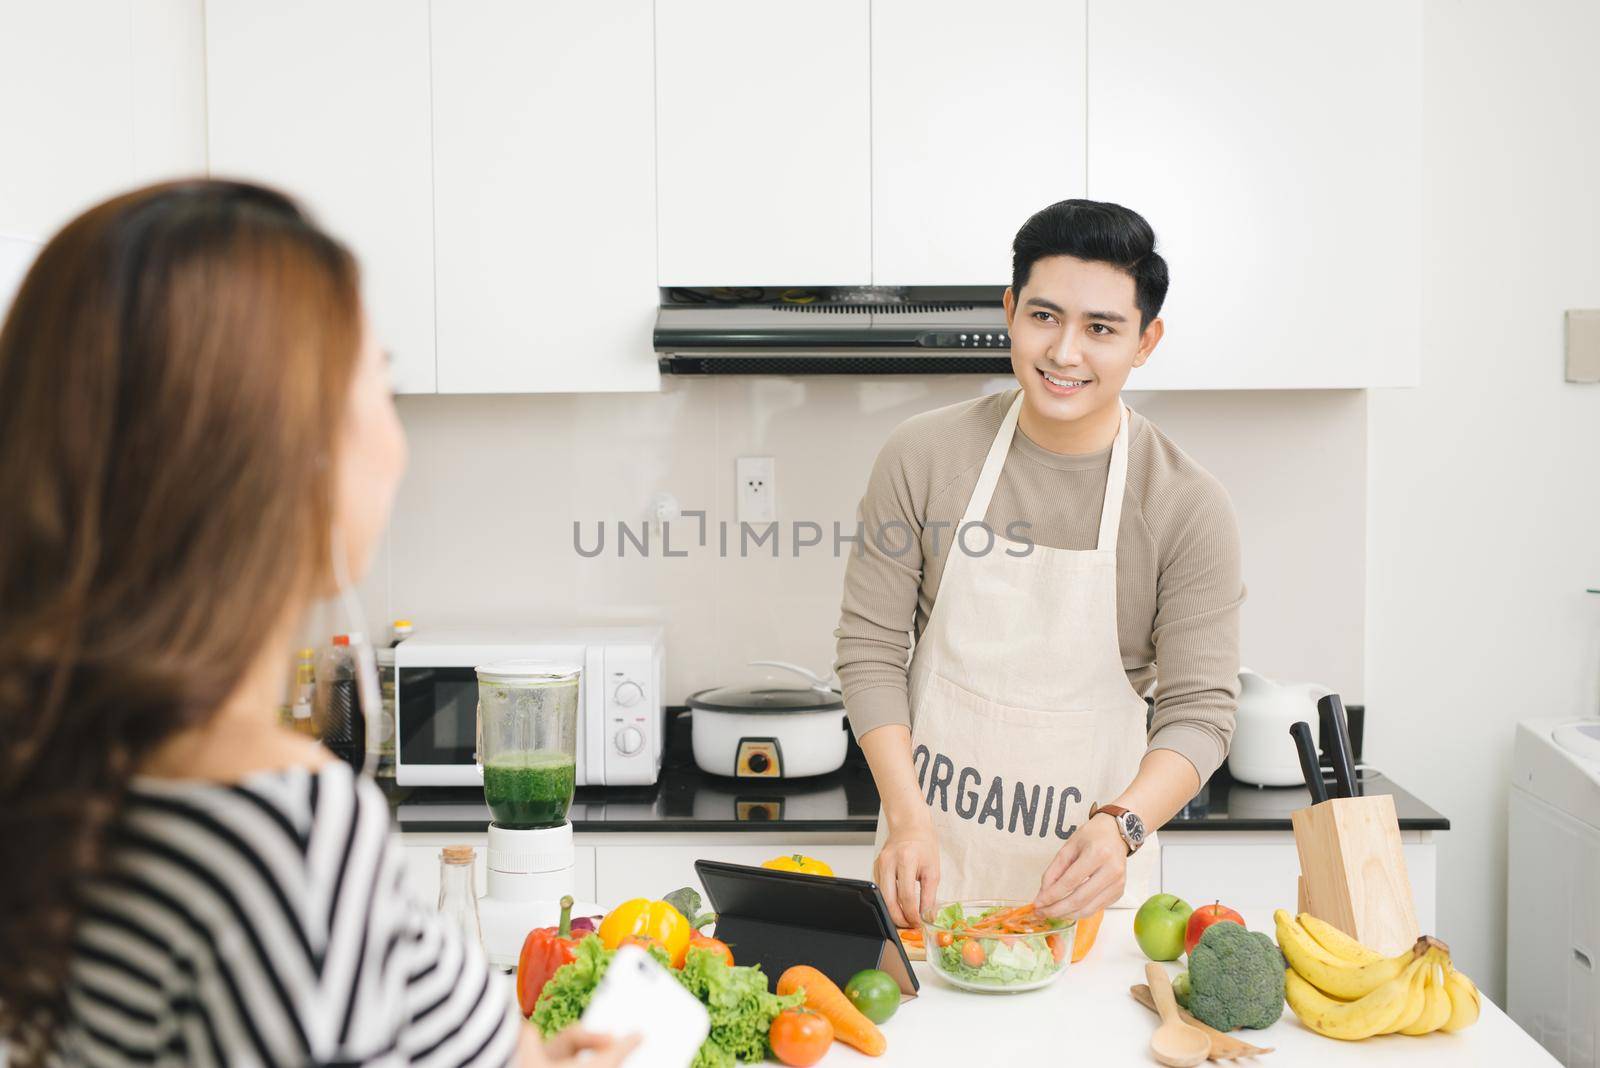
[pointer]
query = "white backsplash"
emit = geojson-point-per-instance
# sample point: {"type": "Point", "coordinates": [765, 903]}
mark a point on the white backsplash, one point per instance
{"type": "Point", "coordinates": [483, 527]}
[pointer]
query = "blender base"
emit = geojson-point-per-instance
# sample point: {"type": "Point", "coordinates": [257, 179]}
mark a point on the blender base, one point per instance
{"type": "Point", "coordinates": [529, 871]}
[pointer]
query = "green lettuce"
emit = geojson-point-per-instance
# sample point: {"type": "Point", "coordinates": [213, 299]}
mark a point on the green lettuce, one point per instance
{"type": "Point", "coordinates": [737, 1000]}
{"type": "Point", "coordinates": [741, 1008]}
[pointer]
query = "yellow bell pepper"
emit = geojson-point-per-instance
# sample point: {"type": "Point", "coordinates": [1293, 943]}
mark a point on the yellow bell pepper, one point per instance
{"type": "Point", "coordinates": [798, 862]}
{"type": "Point", "coordinates": [646, 919]}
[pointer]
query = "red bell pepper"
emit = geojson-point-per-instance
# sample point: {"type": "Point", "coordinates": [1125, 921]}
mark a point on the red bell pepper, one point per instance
{"type": "Point", "coordinates": [544, 951]}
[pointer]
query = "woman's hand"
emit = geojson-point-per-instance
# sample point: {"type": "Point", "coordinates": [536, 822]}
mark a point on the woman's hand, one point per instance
{"type": "Point", "coordinates": [564, 1047]}
{"type": "Point", "coordinates": [907, 871]}
{"type": "Point", "coordinates": [1087, 874]}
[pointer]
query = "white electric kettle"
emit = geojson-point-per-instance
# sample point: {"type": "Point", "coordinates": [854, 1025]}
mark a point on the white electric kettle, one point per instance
{"type": "Point", "coordinates": [1263, 753]}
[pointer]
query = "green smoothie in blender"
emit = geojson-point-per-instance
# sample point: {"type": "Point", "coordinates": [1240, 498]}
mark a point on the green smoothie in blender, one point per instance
{"type": "Point", "coordinates": [529, 789]}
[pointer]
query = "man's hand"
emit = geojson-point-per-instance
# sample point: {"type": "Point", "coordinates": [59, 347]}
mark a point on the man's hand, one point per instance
{"type": "Point", "coordinates": [1087, 874]}
{"type": "Point", "coordinates": [907, 871]}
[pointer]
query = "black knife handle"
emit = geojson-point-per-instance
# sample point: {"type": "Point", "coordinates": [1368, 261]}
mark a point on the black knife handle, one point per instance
{"type": "Point", "coordinates": [1331, 709]}
{"type": "Point", "coordinates": [1309, 767]}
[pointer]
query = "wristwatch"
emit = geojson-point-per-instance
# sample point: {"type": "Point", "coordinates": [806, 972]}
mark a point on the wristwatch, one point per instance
{"type": "Point", "coordinates": [1129, 825]}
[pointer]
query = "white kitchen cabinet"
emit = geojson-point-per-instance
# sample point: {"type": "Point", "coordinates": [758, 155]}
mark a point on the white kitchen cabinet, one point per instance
{"type": "Point", "coordinates": [420, 852]}
{"type": "Point", "coordinates": [330, 102]}
{"type": "Point", "coordinates": [977, 123]}
{"type": "Point", "coordinates": [1275, 149]}
{"type": "Point", "coordinates": [610, 868]}
{"type": "Point", "coordinates": [96, 96]}
{"type": "Point", "coordinates": [1248, 870]}
{"type": "Point", "coordinates": [649, 865]}
{"type": "Point", "coordinates": [763, 142]}
{"type": "Point", "coordinates": [544, 196]}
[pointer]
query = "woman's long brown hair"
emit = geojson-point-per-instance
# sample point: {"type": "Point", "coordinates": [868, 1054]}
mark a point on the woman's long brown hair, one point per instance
{"type": "Point", "coordinates": [172, 376]}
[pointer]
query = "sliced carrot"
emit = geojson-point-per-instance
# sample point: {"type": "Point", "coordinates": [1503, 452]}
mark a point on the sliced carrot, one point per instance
{"type": "Point", "coordinates": [1083, 941]}
{"type": "Point", "coordinates": [909, 935]}
{"type": "Point", "coordinates": [824, 996]}
{"type": "Point", "coordinates": [1001, 918]}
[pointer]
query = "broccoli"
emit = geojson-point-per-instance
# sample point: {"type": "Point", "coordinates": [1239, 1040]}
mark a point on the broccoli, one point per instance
{"type": "Point", "coordinates": [1235, 978]}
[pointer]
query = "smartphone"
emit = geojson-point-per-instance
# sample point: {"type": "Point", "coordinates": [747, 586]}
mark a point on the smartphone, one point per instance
{"type": "Point", "coordinates": [639, 996]}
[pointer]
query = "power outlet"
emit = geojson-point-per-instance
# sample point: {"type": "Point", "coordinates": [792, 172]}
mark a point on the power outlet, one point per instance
{"type": "Point", "coordinates": [757, 489]}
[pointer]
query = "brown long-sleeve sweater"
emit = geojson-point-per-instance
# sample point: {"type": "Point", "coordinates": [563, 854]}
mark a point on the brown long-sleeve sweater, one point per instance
{"type": "Point", "coordinates": [1178, 578]}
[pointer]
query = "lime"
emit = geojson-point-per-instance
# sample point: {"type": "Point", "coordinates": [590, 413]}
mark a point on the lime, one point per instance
{"type": "Point", "coordinates": [875, 993]}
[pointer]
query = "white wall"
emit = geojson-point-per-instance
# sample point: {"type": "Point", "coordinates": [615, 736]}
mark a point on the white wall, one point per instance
{"type": "Point", "coordinates": [1483, 489]}
{"type": "Point", "coordinates": [482, 530]}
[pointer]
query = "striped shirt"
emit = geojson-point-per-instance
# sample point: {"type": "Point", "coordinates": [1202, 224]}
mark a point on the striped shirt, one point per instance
{"type": "Point", "coordinates": [266, 923]}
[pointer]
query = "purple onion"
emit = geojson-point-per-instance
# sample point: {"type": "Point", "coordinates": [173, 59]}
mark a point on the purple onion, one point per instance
{"type": "Point", "coordinates": [586, 923]}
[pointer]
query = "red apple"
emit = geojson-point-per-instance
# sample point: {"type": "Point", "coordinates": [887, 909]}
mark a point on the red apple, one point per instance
{"type": "Point", "coordinates": [1204, 917]}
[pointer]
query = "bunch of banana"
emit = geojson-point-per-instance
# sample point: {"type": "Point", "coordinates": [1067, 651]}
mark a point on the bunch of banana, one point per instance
{"type": "Point", "coordinates": [1340, 988]}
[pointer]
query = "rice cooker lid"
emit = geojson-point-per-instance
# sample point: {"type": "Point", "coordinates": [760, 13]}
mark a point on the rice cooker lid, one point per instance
{"type": "Point", "coordinates": [765, 700]}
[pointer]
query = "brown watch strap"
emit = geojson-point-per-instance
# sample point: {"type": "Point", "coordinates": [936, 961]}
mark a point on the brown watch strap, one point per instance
{"type": "Point", "coordinates": [1116, 812]}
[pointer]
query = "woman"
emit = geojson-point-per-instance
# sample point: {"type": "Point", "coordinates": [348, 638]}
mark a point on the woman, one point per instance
{"type": "Point", "coordinates": [196, 442]}
{"type": "Point", "coordinates": [1063, 555]}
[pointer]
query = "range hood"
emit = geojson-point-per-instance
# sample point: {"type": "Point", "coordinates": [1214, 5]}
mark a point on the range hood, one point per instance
{"type": "Point", "coordinates": [815, 331]}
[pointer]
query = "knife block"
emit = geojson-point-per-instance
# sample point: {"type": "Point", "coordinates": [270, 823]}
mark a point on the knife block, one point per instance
{"type": "Point", "coordinates": [1353, 870]}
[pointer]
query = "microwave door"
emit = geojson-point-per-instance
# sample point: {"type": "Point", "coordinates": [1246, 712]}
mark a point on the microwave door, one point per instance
{"type": "Point", "coordinates": [436, 721]}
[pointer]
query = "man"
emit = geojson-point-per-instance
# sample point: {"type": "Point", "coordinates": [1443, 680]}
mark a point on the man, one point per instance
{"type": "Point", "coordinates": [1064, 556]}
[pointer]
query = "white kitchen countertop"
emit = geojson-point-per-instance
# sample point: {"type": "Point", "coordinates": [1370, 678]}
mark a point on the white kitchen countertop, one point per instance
{"type": "Point", "coordinates": [1087, 1018]}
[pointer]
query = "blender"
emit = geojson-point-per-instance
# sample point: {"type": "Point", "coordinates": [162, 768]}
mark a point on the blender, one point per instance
{"type": "Point", "coordinates": [527, 747]}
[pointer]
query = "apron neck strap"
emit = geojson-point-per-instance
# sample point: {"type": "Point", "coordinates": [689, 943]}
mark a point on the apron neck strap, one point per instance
{"type": "Point", "coordinates": [989, 476]}
{"type": "Point", "coordinates": [1116, 482]}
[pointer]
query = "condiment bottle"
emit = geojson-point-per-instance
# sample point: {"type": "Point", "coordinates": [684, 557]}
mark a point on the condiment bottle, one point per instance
{"type": "Point", "coordinates": [458, 898]}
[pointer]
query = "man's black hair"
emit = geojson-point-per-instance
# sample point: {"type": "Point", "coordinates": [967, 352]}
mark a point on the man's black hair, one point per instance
{"type": "Point", "coordinates": [1100, 232]}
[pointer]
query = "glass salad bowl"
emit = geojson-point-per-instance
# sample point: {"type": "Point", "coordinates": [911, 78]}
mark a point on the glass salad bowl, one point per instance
{"type": "Point", "coordinates": [995, 946]}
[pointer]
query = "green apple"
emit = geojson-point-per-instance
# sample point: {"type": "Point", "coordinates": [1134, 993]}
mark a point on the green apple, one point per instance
{"type": "Point", "coordinates": [1159, 926]}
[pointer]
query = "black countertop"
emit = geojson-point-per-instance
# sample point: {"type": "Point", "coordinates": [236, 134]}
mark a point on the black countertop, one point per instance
{"type": "Point", "coordinates": [686, 799]}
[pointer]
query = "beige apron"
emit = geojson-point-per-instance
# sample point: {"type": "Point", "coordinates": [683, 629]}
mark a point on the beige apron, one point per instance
{"type": "Point", "coordinates": [1021, 712]}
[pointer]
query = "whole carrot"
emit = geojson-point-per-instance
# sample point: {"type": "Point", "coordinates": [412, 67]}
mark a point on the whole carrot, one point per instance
{"type": "Point", "coordinates": [824, 996]}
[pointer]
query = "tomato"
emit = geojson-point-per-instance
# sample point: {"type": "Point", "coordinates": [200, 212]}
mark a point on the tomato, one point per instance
{"type": "Point", "coordinates": [972, 954]}
{"type": "Point", "coordinates": [800, 1037]}
{"type": "Point", "coordinates": [1058, 948]}
{"type": "Point", "coordinates": [714, 946]}
{"type": "Point", "coordinates": [875, 993]}
{"type": "Point", "coordinates": [944, 939]}
{"type": "Point", "coordinates": [644, 942]}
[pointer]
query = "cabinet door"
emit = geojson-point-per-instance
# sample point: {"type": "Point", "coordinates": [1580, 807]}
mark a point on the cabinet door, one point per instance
{"type": "Point", "coordinates": [1275, 150]}
{"type": "Point", "coordinates": [420, 855]}
{"type": "Point", "coordinates": [763, 141]}
{"type": "Point", "coordinates": [330, 101]}
{"type": "Point", "coordinates": [624, 871]}
{"type": "Point", "coordinates": [1249, 875]}
{"type": "Point", "coordinates": [96, 96]}
{"type": "Point", "coordinates": [544, 196]}
{"type": "Point", "coordinates": [977, 123]}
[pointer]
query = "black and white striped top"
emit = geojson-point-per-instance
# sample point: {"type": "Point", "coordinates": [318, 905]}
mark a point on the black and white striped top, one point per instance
{"type": "Point", "coordinates": [266, 924]}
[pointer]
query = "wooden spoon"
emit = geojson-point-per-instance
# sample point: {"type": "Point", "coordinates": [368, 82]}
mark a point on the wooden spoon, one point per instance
{"type": "Point", "coordinates": [1175, 1043]}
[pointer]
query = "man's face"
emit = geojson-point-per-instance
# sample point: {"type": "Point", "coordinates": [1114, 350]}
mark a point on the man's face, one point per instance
{"type": "Point", "coordinates": [1075, 335]}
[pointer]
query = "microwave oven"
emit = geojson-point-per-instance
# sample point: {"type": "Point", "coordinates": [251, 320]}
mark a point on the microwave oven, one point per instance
{"type": "Point", "coordinates": [621, 714]}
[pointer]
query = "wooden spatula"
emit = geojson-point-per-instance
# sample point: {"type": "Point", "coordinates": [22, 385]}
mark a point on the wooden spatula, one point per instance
{"type": "Point", "coordinates": [1175, 1043]}
{"type": "Point", "coordinates": [1224, 1047]}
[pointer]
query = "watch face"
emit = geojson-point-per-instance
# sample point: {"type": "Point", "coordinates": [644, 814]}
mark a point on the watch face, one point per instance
{"type": "Point", "coordinates": [1134, 827]}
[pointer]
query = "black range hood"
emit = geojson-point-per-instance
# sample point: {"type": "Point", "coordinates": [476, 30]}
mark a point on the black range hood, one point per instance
{"type": "Point", "coordinates": [812, 331]}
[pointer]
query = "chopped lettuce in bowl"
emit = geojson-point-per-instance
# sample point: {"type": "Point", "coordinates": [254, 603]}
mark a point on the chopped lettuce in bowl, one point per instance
{"type": "Point", "coordinates": [968, 946]}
